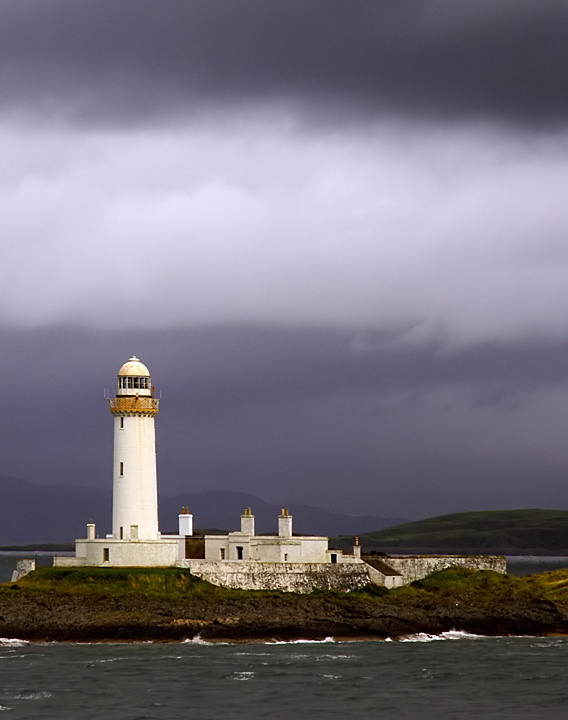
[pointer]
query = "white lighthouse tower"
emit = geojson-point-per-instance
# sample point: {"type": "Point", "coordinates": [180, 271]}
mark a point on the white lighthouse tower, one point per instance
{"type": "Point", "coordinates": [135, 539]}
{"type": "Point", "coordinates": [135, 489]}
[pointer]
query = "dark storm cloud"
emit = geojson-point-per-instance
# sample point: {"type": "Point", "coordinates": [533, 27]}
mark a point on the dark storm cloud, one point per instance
{"type": "Point", "coordinates": [128, 60]}
{"type": "Point", "coordinates": [351, 421]}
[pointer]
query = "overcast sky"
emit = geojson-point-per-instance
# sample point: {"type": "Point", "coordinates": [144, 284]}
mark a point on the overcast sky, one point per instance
{"type": "Point", "coordinates": [344, 224]}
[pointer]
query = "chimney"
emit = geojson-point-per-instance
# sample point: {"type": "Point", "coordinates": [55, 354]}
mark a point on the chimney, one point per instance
{"type": "Point", "coordinates": [357, 548]}
{"type": "Point", "coordinates": [285, 523]}
{"type": "Point", "coordinates": [247, 522]}
{"type": "Point", "coordinates": [185, 522]}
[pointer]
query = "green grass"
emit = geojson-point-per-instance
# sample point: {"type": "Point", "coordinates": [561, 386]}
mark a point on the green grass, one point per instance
{"type": "Point", "coordinates": [170, 582]}
{"type": "Point", "coordinates": [484, 589]}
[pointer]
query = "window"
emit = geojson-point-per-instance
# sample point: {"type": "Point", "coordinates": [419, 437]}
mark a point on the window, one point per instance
{"type": "Point", "coordinates": [239, 552]}
{"type": "Point", "coordinates": [135, 383]}
{"type": "Point", "coordinates": [333, 557]}
{"type": "Point", "coordinates": [121, 469]}
{"type": "Point", "coordinates": [106, 555]}
{"type": "Point", "coordinates": [122, 423]}
{"type": "Point", "coordinates": [130, 383]}
{"type": "Point", "coordinates": [222, 553]}
{"type": "Point", "coordinates": [285, 557]}
{"type": "Point", "coordinates": [122, 533]}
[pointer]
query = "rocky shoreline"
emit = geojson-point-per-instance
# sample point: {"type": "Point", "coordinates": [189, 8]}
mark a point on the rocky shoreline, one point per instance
{"type": "Point", "coordinates": [53, 606]}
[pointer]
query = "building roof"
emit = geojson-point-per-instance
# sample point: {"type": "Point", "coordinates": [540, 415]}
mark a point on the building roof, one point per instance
{"type": "Point", "coordinates": [134, 368]}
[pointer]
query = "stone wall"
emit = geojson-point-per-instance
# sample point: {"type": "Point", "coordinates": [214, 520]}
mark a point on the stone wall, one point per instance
{"type": "Point", "coordinates": [306, 577]}
{"type": "Point", "coordinates": [287, 577]}
{"type": "Point", "coordinates": [23, 567]}
{"type": "Point", "coordinates": [415, 567]}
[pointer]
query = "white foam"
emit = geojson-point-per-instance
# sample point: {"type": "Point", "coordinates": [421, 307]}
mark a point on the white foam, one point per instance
{"type": "Point", "coordinates": [301, 642]}
{"type": "Point", "coordinates": [12, 642]}
{"type": "Point", "coordinates": [254, 654]}
{"type": "Point", "coordinates": [449, 635]}
{"type": "Point", "coordinates": [334, 657]}
{"type": "Point", "coordinates": [244, 675]}
{"type": "Point", "coordinates": [198, 640]}
{"type": "Point", "coordinates": [32, 695]}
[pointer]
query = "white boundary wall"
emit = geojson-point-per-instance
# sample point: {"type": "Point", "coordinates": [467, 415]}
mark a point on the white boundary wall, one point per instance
{"type": "Point", "coordinates": [416, 567]}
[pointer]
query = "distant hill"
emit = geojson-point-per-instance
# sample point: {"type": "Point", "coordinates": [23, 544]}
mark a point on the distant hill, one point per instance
{"type": "Point", "coordinates": [34, 513]}
{"type": "Point", "coordinates": [527, 532]}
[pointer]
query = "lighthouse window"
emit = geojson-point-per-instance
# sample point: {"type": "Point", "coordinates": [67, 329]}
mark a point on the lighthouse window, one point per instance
{"type": "Point", "coordinates": [121, 423]}
{"type": "Point", "coordinates": [135, 382]}
{"type": "Point", "coordinates": [130, 383]}
{"type": "Point", "coordinates": [121, 469]}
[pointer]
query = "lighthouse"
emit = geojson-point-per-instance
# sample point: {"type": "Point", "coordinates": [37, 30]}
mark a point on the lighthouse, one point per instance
{"type": "Point", "coordinates": [135, 489]}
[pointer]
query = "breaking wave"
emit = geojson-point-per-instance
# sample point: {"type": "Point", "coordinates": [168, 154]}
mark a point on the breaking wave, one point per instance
{"type": "Point", "coordinates": [12, 642]}
{"type": "Point", "coordinates": [449, 635]}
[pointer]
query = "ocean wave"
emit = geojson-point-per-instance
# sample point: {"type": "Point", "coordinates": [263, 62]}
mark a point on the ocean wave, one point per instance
{"type": "Point", "coordinates": [242, 675]}
{"type": "Point", "coordinates": [12, 642]}
{"type": "Point", "coordinates": [449, 635]}
{"type": "Point", "coordinates": [253, 654]}
{"type": "Point", "coordinates": [301, 642]}
{"type": "Point", "coordinates": [198, 640]}
{"type": "Point", "coordinates": [32, 695]}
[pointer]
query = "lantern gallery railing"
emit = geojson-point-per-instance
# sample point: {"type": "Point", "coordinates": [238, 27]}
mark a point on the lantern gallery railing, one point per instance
{"type": "Point", "coordinates": [135, 405]}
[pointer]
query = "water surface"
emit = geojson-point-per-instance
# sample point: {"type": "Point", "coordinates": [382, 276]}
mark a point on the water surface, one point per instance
{"type": "Point", "coordinates": [457, 677]}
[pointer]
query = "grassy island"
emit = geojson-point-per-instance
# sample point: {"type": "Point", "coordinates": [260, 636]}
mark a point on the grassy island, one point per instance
{"type": "Point", "coordinates": [94, 604]}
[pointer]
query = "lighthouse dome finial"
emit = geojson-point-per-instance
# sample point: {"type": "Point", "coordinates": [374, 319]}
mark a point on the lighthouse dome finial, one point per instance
{"type": "Point", "coordinates": [134, 368]}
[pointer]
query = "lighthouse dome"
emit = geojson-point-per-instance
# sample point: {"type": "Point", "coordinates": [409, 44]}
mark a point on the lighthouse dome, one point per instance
{"type": "Point", "coordinates": [134, 368]}
{"type": "Point", "coordinates": [134, 378]}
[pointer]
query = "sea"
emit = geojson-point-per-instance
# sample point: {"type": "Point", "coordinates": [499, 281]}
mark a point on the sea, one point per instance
{"type": "Point", "coordinates": [453, 676]}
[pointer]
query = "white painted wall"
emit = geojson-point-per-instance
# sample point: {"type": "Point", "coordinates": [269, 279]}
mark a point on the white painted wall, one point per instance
{"type": "Point", "coordinates": [135, 493]}
{"type": "Point", "coordinates": [267, 548]}
{"type": "Point", "coordinates": [163, 552]}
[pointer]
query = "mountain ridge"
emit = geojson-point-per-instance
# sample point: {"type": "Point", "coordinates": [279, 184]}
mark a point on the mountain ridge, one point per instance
{"type": "Point", "coordinates": [34, 513]}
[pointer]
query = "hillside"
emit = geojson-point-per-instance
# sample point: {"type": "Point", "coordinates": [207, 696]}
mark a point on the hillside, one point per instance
{"type": "Point", "coordinates": [538, 532]}
{"type": "Point", "coordinates": [36, 513]}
